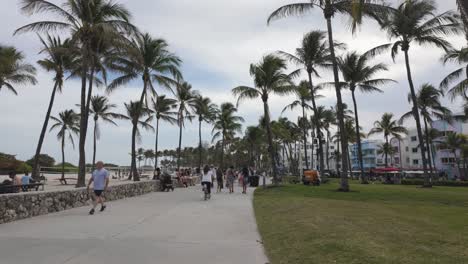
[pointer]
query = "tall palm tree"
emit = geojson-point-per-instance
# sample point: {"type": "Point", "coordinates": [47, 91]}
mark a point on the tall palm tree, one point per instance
{"type": "Point", "coordinates": [226, 125]}
{"type": "Point", "coordinates": [149, 59]}
{"type": "Point", "coordinates": [185, 98]}
{"type": "Point", "coordinates": [67, 123]}
{"type": "Point", "coordinates": [139, 116]}
{"type": "Point", "coordinates": [356, 10]}
{"type": "Point", "coordinates": [314, 53]}
{"type": "Point", "coordinates": [163, 109]}
{"type": "Point", "coordinates": [327, 120]}
{"type": "Point", "coordinates": [303, 95]}
{"type": "Point", "coordinates": [415, 21]}
{"type": "Point", "coordinates": [206, 112]}
{"type": "Point", "coordinates": [13, 69]}
{"type": "Point", "coordinates": [358, 73]}
{"type": "Point", "coordinates": [269, 78]}
{"type": "Point", "coordinates": [101, 109]}
{"type": "Point", "coordinates": [429, 106]}
{"type": "Point", "coordinates": [388, 127]}
{"type": "Point", "coordinates": [254, 135]}
{"type": "Point", "coordinates": [57, 61]}
{"type": "Point", "coordinates": [459, 76]}
{"type": "Point", "coordinates": [91, 24]}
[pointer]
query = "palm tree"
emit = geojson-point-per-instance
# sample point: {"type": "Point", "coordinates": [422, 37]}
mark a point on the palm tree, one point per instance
{"type": "Point", "coordinates": [415, 21]}
{"type": "Point", "coordinates": [91, 24]}
{"type": "Point", "coordinates": [327, 120]}
{"type": "Point", "coordinates": [388, 127]}
{"type": "Point", "coordinates": [206, 112]}
{"type": "Point", "coordinates": [150, 60]}
{"type": "Point", "coordinates": [148, 155]}
{"type": "Point", "coordinates": [227, 124]}
{"type": "Point", "coordinates": [101, 109]}
{"type": "Point", "coordinates": [67, 123]}
{"type": "Point", "coordinates": [313, 54]}
{"type": "Point", "coordinates": [463, 7]}
{"type": "Point", "coordinates": [303, 95]}
{"type": "Point", "coordinates": [163, 110]}
{"type": "Point", "coordinates": [269, 78]}
{"type": "Point", "coordinates": [135, 113]}
{"type": "Point", "coordinates": [57, 61]}
{"type": "Point", "coordinates": [429, 106]}
{"type": "Point", "coordinates": [358, 73]}
{"type": "Point", "coordinates": [454, 142]}
{"type": "Point", "coordinates": [254, 136]}
{"type": "Point", "coordinates": [356, 10]}
{"type": "Point", "coordinates": [459, 89]}
{"type": "Point", "coordinates": [185, 97]}
{"type": "Point", "coordinates": [13, 69]}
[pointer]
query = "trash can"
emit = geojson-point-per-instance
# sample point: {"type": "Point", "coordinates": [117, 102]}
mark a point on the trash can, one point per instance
{"type": "Point", "coordinates": [254, 181]}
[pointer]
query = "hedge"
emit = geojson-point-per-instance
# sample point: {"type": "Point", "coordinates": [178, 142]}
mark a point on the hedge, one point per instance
{"type": "Point", "coordinates": [435, 183]}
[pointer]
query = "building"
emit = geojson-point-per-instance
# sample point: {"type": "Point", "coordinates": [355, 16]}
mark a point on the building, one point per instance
{"type": "Point", "coordinates": [370, 156]}
{"type": "Point", "coordinates": [407, 153]}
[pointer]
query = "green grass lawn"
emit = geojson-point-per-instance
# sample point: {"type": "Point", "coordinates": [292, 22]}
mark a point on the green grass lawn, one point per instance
{"type": "Point", "coordinates": [372, 224]}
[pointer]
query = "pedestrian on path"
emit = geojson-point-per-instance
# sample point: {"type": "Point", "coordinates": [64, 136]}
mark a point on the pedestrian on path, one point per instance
{"type": "Point", "coordinates": [245, 179]}
{"type": "Point", "coordinates": [100, 178]}
{"type": "Point", "coordinates": [219, 179]}
{"type": "Point", "coordinates": [230, 178]}
{"type": "Point", "coordinates": [207, 179]}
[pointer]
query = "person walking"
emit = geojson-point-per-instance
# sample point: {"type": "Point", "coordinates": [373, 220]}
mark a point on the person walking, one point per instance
{"type": "Point", "coordinates": [219, 179]}
{"type": "Point", "coordinates": [207, 179]}
{"type": "Point", "coordinates": [230, 178]}
{"type": "Point", "coordinates": [245, 179]}
{"type": "Point", "coordinates": [100, 178]}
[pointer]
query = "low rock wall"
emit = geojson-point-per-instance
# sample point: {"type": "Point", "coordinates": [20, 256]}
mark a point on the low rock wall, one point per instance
{"type": "Point", "coordinates": [23, 205]}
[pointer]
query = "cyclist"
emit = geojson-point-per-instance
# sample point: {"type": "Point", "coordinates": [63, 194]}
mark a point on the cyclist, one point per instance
{"type": "Point", "coordinates": [207, 180]}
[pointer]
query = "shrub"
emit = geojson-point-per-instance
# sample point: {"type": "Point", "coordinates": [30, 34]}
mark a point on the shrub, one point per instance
{"type": "Point", "coordinates": [23, 167]}
{"type": "Point", "coordinates": [435, 183]}
{"type": "Point", "coordinates": [44, 161]}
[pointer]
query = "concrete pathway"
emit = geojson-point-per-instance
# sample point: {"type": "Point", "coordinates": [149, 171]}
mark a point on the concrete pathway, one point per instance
{"type": "Point", "coordinates": [164, 228]}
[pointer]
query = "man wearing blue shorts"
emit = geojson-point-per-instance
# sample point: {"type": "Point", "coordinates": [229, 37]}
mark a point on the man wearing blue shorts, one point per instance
{"type": "Point", "coordinates": [100, 178]}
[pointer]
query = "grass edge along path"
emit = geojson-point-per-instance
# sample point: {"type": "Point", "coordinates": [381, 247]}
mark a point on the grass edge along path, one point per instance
{"type": "Point", "coordinates": [372, 224]}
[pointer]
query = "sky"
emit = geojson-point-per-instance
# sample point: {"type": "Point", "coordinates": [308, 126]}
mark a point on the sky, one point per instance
{"type": "Point", "coordinates": [217, 41]}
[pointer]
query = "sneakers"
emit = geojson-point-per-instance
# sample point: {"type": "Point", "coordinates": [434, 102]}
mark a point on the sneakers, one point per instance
{"type": "Point", "coordinates": [103, 208]}
{"type": "Point", "coordinates": [91, 212]}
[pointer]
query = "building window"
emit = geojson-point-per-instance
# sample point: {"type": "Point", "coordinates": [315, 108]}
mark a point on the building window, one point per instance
{"type": "Point", "coordinates": [414, 150]}
{"type": "Point", "coordinates": [414, 138]}
{"type": "Point", "coordinates": [407, 160]}
{"type": "Point", "coordinates": [415, 162]}
{"type": "Point", "coordinates": [406, 149]}
{"type": "Point", "coordinates": [397, 160]}
{"type": "Point", "coordinates": [332, 147]}
{"type": "Point", "coordinates": [448, 160]}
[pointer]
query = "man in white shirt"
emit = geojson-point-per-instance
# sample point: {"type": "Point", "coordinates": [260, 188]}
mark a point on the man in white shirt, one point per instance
{"type": "Point", "coordinates": [100, 177]}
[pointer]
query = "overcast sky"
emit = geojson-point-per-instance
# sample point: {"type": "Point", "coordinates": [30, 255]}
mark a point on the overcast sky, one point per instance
{"type": "Point", "coordinates": [217, 40]}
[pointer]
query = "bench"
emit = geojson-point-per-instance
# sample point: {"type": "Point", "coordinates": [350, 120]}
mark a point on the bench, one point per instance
{"type": "Point", "coordinates": [18, 188]}
{"type": "Point", "coordinates": [63, 181]}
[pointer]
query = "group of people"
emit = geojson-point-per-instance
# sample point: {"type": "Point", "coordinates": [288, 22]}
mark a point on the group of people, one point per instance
{"type": "Point", "coordinates": [225, 178]}
{"type": "Point", "coordinates": [20, 181]}
{"type": "Point", "coordinates": [184, 177]}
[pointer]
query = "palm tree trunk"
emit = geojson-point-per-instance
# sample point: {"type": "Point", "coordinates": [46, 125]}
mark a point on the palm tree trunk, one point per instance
{"type": "Point", "coordinates": [358, 137]}
{"type": "Point", "coordinates": [35, 171]}
{"type": "Point", "coordinates": [386, 151]}
{"type": "Point", "coordinates": [199, 145]}
{"type": "Point", "coordinates": [266, 111]}
{"type": "Point", "coordinates": [82, 141]}
{"type": "Point", "coordinates": [222, 150]}
{"type": "Point", "coordinates": [156, 147]}
{"type": "Point", "coordinates": [305, 136]}
{"type": "Point", "coordinates": [317, 124]}
{"type": "Point", "coordinates": [428, 148]}
{"type": "Point", "coordinates": [463, 7]}
{"type": "Point", "coordinates": [94, 143]}
{"type": "Point", "coordinates": [312, 160]}
{"type": "Point", "coordinates": [344, 185]}
{"type": "Point", "coordinates": [180, 145]}
{"type": "Point", "coordinates": [63, 155]}
{"type": "Point", "coordinates": [133, 169]}
{"type": "Point", "coordinates": [427, 180]}
{"type": "Point", "coordinates": [328, 150]}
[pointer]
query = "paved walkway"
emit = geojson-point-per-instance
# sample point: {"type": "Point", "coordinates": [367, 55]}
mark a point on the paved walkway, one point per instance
{"type": "Point", "coordinates": [164, 228]}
